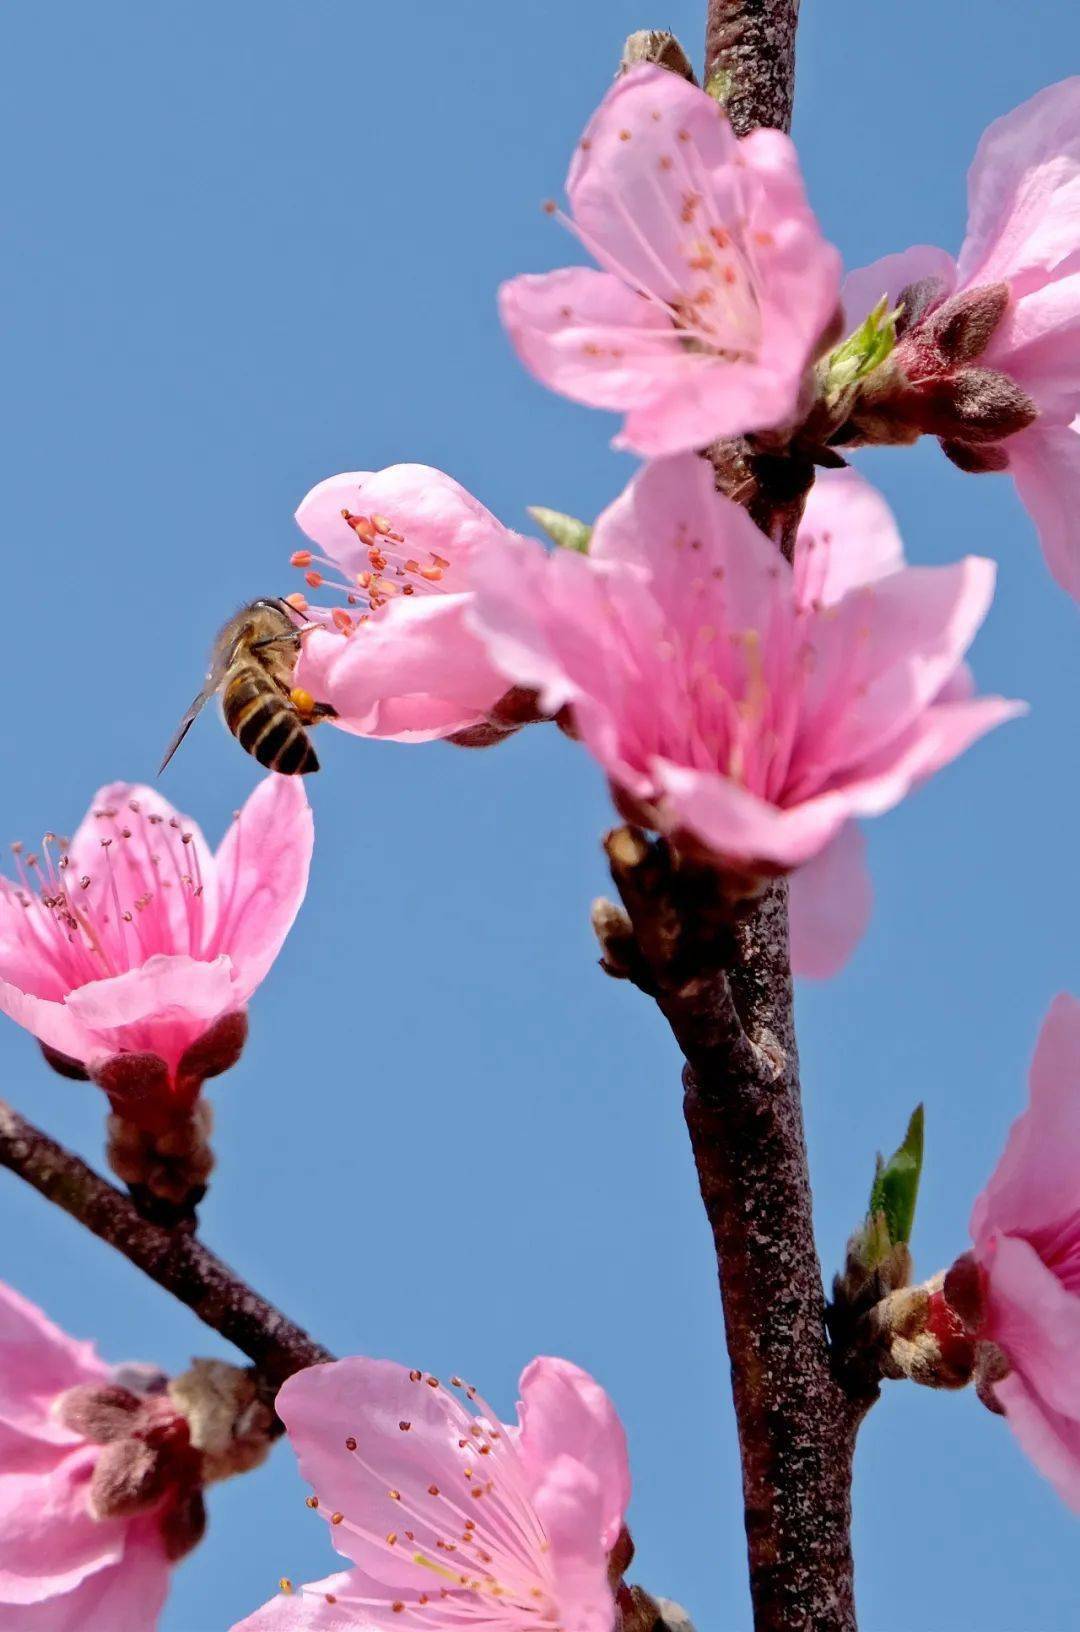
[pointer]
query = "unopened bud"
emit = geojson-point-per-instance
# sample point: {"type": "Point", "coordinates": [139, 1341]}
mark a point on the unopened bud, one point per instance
{"type": "Point", "coordinates": [987, 459]}
{"type": "Point", "coordinates": [227, 1422]}
{"type": "Point", "coordinates": [64, 1065]}
{"type": "Point", "coordinates": [657, 45]}
{"type": "Point", "coordinates": [138, 1089]}
{"type": "Point", "coordinates": [183, 1523]}
{"type": "Point", "coordinates": [100, 1412]}
{"type": "Point", "coordinates": [618, 947]}
{"type": "Point", "coordinates": [960, 330]}
{"type": "Point", "coordinates": [976, 405]}
{"type": "Point", "coordinates": [915, 300]}
{"type": "Point", "coordinates": [217, 1050]}
{"type": "Point", "coordinates": [965, 1293]}
{"type": "Point", "coordinates": [991, 1366]}
{"type": "Point", "coordinates": [566, 531]}
{"type": "Point", "coordinates": [921, 1338]}
{"type": "Point", "coordinates": [129, 1477]}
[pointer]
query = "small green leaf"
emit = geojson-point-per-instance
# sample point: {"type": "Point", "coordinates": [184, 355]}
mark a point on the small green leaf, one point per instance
{"type": "Point", "coordinates": [567, 531]}
{"type": "Point", "coordinates": [862, 351]}
{"type": "Point", "coordinates": [896, 1182]}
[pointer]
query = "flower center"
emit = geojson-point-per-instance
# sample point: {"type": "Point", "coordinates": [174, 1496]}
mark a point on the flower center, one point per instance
{"type": "Point", "coordinates": [375, 566]}
{"type": "Point", "coordinates": [133, 888]}
{"type": "Point", "coordinates": [470, 1531]}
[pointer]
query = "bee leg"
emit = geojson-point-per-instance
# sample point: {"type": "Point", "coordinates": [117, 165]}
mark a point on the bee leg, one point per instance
{"type": "Point", "coordinates": [323, 711]}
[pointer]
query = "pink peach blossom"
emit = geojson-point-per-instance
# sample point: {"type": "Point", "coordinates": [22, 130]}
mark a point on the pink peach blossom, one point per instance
{"type": "Point", "coordinates": [61, 1568]}
{"type": "Point", "coordinates": [450, 1516]}
{"type": "Point", "coordinates": [397, 545]}
{"type": "Point", "coordinates": [848, 537]}
{"type": "Point", "coordinates": [1026, 1230]}
{"type": "Point", "coordinates": [717, 689]}
{"type": "Point", "coordinates": [717, 286]}
{"type": "Point", "coordinates": [136, 938]}
{"type": "Point", "coordinates": [1023, 236]}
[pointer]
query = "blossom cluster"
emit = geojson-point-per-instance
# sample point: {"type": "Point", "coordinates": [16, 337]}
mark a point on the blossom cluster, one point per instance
{"type": "Point", "coordinates": [751, 703]}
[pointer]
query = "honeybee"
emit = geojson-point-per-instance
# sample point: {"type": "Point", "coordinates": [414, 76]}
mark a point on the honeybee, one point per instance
{"type": "Point", "coordinates": [252, 665]}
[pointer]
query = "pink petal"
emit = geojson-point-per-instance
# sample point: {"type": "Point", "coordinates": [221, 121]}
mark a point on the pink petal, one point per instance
{"type": "Point", "coordinates": [734, 823]}
{"type": "Point", "coordinates": [569, 1504]}
{"type": "Point", "coordinates": [1036, 1321]}
{"type": "Point", "coordinates": [435, 514]}
{"type": "Point", "coordinates": [587, 334]}
{"type": "Point", "coordinates": [319, 516]}
{"type": "Point", "coordinates": [49, 1543]}
{"type": "Point", "coordinates": [38, 1361]}
{"type": "Point", "coordinates": [306, 1610]}
{"type": "Point", "coordinates": [1024, 191]}
{"type": "Point", "coordinates": [830, 900]}
{"type": "Point", "coordinates": [416, 673]}
{"type": "Point", "coordinates": [883, 653]}
{"type": "Point", "coordinates": [1037, 343]}
{"type": "Point", "coordinates": [710, 400]}
{"type": "Point", "coordinates": [848, 536]}
{"type": "Point", "coordinates": [670, 521]}
{"type": "Point", "coordinates": [564, 1411]}
{"type": "Point", "coordinates": [262, 868]}
{"type": "Point", "coordinates": [50, 1022]}
{"type": "Point", "coordinates": [941, 735]}
{"type": "Point", "coordinates": [626, 204]}
{"type": "Point", "coordinates": [1050, 1440]}
{"type": "Point", "coordinates": [1035, 1182]}
{"type": "Point", "coordinates": [125, 1597]}
{"type": "Point", "coordinates": [887, 278]}
{"type": "Point", "coordinates": [162, 1005]}
{"type": "Point", "coordinates": [367, 1400]}
{"type": "Point", "coordinates": [1045, 464]}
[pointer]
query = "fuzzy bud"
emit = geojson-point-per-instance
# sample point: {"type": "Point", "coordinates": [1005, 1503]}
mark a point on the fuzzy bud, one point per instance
{"type": "Point", "coordinates": [183, 1523]}
{"type": "Point", "coordinates": [920, 1337]}
{"type": "Point", "coordinates": [130, 1476]}
{"type": "Point", "coordinates": [991, 1366]}
{"type": "Point", "coordinates": [656, 45]}
{"type": "Point", "coordinates": [613, 930]}
{"type": "Point", "coordinates": [138, 1089]}
{"type": "Point", "coordinates": [989, 459]}
{"type": "Point", "coordinates": [217, 1050]}
{"type": "Point", "coordinates": [976, 405]}
{"type": "Point", "coordinates": [673, 1618]}
{"type": "Point", "coordinates": [959, 331]}
{"type": "Point", "coordinates": [227, 1422]}
{"type": "Point", "coordinates": [916, 300]}
{"type": "Point", "coordinates": [101, 1412]}
{"type": "Point", "coordinates": [166, 1172]}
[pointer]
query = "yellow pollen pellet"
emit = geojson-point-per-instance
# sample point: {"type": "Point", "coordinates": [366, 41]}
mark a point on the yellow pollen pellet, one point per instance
{"type": "Point", "coordinates": [301, 699]}
{"type": "Point", "coordinates": [285, 1584]}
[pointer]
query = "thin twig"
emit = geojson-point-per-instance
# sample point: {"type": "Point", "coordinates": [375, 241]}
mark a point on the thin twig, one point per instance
{"type": "Point", "coordinates": [750, 60]}
{"type": "Point", "coordinates": [176, 1260]}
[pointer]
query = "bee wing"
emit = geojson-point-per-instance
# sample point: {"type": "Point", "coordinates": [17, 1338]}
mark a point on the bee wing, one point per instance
{"type": "Point", "coordinates": [187, 722]}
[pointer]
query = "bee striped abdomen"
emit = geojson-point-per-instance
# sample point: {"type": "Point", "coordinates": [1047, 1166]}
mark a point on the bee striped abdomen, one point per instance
{"type": "Point", "coordinates": [264, 724]}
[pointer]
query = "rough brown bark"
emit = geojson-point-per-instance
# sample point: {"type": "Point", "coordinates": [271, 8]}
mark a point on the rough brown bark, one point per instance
{"type": "Point", "coordinates": [720, 972]}
{"type": "Point", "coordinates": [750, 59]}
{"type": "Point", "coordinates": [174, 1259]}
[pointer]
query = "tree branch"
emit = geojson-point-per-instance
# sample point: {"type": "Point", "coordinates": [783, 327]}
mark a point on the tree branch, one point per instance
{"type": "Point", "coordinates": [750, 60]}
{"type": "Point", "coordinates": [174, 1259]}
{"type": "Point", "coordinates": [721, 975]}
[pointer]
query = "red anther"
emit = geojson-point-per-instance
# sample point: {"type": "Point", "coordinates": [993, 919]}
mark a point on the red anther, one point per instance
{"type": "Point", "coordinates": [313, 579]}
{"type": "Point", "coordinates": [361, 526]}
{"type": "Point", "coordinates": [342, 620]}
{"type": "Point", "coordinates": [381, 524]}
{"type": "Point", "coordinates": [300, 558]}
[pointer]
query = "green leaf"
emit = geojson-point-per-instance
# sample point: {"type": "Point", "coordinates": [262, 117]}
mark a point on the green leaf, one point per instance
{"type": "Point", "coordinates": [896, 1182]}
{"type": "Point", "coordinates": [567, 531]}
{"type": "Point", "coordinates": [862, 351]}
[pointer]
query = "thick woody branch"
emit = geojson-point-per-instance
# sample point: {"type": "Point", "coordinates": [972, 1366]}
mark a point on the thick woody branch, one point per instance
{"type": "Point", "coordinates": [750, 60]}
{"type": "Point", "coordinates": [720, 973]}
{"type": "Point", "coordinates": [176, 1260]}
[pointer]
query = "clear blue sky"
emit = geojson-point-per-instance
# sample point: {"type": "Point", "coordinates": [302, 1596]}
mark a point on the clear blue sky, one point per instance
{"type": "Point", "coordinates": [249, 245]}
